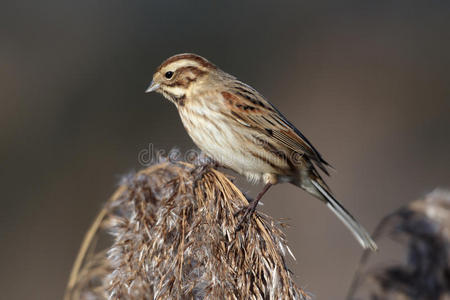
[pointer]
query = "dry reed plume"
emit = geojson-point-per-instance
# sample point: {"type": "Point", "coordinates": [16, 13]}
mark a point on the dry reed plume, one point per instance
{"type": "Point", "coordinates": [422, 230]}
{"type": "Point", "coordinates": [173, 228]}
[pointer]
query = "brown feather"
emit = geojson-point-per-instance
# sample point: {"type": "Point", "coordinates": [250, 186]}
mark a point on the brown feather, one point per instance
{"type": "Point", "coordinates": [264, 117]}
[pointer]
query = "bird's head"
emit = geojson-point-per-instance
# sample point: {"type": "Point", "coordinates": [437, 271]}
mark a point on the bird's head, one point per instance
{"type": "Point", "coordinates": [176, 75]}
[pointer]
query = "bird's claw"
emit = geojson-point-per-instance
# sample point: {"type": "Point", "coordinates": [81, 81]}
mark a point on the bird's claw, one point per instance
{"type": "Point", "coordinates": [248, 213]}
{"type": "Point", "coordinates": [198, 173]}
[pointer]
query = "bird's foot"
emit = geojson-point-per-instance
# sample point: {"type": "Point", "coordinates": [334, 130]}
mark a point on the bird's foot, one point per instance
{"type": "Point", "coordinates": [202, 159]}
{"type": "Point", "coordinates": [201, 167]}
{"type": "Point", "coordinates": [248, 211]}
{"type": "Point", "coordinates": [202, 164]}
{"type": "Point", "coordinates": [198, 173]}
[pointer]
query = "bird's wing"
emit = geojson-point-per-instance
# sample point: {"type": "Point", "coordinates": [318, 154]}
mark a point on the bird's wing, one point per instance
{"type": "Point", "coordinates": [249, 107]}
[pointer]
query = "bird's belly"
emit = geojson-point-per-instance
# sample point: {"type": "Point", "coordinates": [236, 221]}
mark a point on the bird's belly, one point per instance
{"type": "Point", "coordinates": [229, 146]}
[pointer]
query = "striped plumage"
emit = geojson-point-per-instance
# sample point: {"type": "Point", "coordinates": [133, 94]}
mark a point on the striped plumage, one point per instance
{"type": "Point", "coordinates": [236, 126]}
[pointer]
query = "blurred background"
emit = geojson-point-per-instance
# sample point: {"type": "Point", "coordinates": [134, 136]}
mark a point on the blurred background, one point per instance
{"type": "Point", "coordinates": [368, 82]}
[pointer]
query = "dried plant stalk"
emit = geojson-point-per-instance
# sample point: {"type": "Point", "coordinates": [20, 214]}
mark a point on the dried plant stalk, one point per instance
{"type": "Point", "coordinates": [173, 228]}
{"type": "Point", "coordinates": [422, 230]}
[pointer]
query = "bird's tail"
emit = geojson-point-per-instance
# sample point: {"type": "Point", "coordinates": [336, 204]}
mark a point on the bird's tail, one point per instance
{"type": "Point", "coordinates": [356, 229]}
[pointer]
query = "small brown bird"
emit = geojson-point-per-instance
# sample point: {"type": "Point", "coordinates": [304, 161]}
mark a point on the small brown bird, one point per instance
{"type": "Point", "coordinates": [238, 128]}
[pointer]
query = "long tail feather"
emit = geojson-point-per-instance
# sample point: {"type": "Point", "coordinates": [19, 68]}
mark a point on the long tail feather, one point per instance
{"type": "Point", "coordinates": [356, 229]}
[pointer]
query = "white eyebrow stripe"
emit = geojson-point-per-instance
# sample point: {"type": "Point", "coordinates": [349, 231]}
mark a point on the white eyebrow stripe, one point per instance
{"type": "Point", "coordinates": [181, 64]}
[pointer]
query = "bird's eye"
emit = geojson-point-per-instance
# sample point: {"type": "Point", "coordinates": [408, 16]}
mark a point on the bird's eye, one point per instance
{"type": "Point", "coordinates": [169, 74]}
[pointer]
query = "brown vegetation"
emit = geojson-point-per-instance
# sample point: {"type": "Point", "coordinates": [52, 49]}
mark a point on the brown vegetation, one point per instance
{"type": "Point", "coordinates": [173, 228]}
{"type": "Point", "coordinates": [419, 269]}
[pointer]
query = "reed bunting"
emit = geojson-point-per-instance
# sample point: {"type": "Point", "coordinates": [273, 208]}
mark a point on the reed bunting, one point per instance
{"type": "Point", "coordinates": [238, 128]}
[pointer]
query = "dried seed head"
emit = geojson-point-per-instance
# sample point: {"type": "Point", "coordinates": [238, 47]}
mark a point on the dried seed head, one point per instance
{"type": "Point", "coordinates": [173, 228]}
{"type": "Point", "coordinates": [420, 268]}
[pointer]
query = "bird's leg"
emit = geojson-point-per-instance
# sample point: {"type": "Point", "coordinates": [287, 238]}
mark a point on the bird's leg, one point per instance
{"type": "Point", "coordinates": [252, 206]}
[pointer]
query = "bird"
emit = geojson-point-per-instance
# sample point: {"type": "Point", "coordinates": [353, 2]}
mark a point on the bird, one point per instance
{"type": "Point", "coordinates": [236, 126]}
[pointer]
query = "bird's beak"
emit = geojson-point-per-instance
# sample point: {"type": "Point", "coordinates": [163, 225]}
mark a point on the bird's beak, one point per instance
{"type": "Point", "coordinates": [152, 87]}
